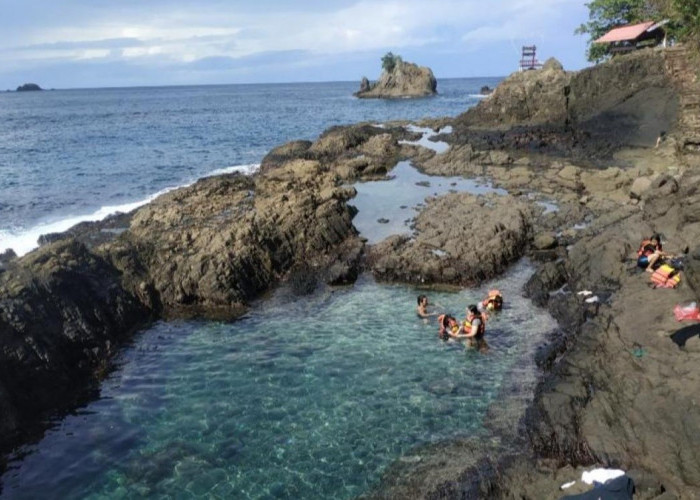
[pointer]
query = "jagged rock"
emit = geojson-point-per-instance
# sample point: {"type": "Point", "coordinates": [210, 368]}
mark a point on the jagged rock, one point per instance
{"type": "Point", "coordinates": [406, 80]}
{"type": "Point", "coordinates": [486, 90]}
{"type": "Point", "coordinates": [461, 239]}
{"type": "Point", "coordinates": [364, 85]}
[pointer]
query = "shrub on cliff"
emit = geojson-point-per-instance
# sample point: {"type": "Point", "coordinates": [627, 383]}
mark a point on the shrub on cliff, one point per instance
{"type": "Point", "coordinates": [389, 62]}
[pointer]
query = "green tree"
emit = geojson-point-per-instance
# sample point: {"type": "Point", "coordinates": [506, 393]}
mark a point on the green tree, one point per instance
{"type": "Point", "coordinates": [389, 62]}
{"type": "Point", "coordinates": [686, 15]}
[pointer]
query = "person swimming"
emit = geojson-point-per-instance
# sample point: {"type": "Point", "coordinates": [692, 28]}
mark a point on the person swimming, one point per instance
{"type": "Point", "coordinates": [423, 307]}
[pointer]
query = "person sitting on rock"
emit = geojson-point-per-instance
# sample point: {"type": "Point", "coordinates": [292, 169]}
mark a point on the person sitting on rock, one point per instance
{"type": "Point", "coordinates": [650, 253]}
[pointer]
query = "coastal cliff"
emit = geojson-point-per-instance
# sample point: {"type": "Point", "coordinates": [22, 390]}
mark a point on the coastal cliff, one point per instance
{"type": "Point", "coordinates": [402, 79]}
{"type": "Point", "coordinates": [208, 250]}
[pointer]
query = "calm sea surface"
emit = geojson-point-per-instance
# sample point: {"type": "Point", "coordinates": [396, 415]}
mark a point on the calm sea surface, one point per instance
{"type": "Point", "coordinates": [72, 155]}
{"type": "Point", "coordinates": [305, 397]}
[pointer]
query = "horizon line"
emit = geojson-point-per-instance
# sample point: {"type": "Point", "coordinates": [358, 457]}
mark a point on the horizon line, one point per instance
{"type": "Point", "coordinates": [13, 91]}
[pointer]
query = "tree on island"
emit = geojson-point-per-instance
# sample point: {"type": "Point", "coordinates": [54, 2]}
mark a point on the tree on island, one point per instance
{"type": "Point", "coordinates": [390, 61]}
{"type": "Point", "coordinates": [604, 15]}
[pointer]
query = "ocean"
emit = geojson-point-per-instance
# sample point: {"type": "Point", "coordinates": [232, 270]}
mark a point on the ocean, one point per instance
{"type": "Point", "coordinates": [304, 397]}
{"type": "Point", "coordinates": [72, 155]}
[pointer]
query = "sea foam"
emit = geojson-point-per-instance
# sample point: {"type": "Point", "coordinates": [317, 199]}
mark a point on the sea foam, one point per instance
{"type": "Point", "coordinates": [24, 240]}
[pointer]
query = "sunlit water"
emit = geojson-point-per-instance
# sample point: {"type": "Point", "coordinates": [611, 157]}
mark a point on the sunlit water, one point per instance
{"type": "Point", "coordinates": [304, 398]}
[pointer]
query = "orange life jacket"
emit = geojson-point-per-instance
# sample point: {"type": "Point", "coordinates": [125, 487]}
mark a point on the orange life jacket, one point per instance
{"type": "Point", "coordinates": [467, 325]}
{"type": "Point", "coordinates": [494, 298]}
{"type": "Point", "coordinates": [665, 277]}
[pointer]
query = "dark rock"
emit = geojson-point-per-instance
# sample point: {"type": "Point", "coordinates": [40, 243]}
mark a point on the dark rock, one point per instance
{"type": "Point", "coordinates": [382, 220]}
{"type": "Point", "coordinates": [28, 87]}
{"type": "Point", "coordinates": [486, 90]}
{"type": "Point", "coordinates": [62, 318]}
{"type": "Point", "coordinates": [364, 85]}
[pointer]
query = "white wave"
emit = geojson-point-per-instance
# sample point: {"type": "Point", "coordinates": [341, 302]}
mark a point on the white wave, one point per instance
{"type": "Point", "coordinates": [23, 241]}
{"type": "Point", "coordinates": [479, 96]}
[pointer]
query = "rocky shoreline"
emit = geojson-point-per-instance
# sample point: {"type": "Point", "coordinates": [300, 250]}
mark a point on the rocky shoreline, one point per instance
{"type": "Point", "coordinates": [577, 154]}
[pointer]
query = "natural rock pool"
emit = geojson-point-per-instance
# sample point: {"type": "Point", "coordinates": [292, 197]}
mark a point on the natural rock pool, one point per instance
{"type": "Point", "coordinates": [305, 397]}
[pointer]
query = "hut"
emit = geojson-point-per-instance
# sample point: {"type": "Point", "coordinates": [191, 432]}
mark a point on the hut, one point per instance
{"type": "Point", "coordinates": [634, 36]}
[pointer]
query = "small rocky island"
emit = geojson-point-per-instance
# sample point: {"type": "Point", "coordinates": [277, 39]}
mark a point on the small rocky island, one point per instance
{"type": "Point", "coordinates": [399, 79]}
{"type": "Point", "coordinates": [28, 87]}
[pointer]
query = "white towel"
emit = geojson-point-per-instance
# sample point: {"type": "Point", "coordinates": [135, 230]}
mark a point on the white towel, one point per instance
{"type": "Point", "coordinates": [601, 475]}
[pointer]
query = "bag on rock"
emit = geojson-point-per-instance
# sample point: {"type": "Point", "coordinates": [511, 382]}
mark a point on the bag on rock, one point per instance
{"type": "Point", "coordinates": [687, 312]}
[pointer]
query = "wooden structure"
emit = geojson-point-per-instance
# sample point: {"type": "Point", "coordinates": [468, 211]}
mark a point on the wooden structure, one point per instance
{"type": "Point", "coordinates": [634, 36]}
{"type": "Point", "coordinates": [528, 59]}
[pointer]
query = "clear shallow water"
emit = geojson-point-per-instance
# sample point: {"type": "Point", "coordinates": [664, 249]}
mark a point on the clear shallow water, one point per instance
{"type": "Point", "coordinates": [398, 199]}
{"type": "Point", "coordinates": [68, 153]}
{"type": "Point", "coordinates": [304, 398]}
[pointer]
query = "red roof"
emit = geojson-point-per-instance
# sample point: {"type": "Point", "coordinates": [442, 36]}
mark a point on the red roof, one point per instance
{"type": "Point", "coordinates": [624, 33]}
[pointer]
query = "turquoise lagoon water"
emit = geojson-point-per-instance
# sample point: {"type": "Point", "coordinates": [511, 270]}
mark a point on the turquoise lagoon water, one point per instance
{"type": "Point", "coordinates": [307, 397]}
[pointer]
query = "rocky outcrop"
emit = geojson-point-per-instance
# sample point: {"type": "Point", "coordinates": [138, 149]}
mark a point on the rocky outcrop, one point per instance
{"type": "Point", "coordinates": [460, 239]}
{"type": "Point", "coordinates": [63, 314]}
{"type": "Point", "coordinates": [28, 87]}
{"type": "Point", "coordinates": [206, 250]}
{"type": "Point", "coordinates": [405, 80]}
{"type": "Point", "coordinates": [588, 114]}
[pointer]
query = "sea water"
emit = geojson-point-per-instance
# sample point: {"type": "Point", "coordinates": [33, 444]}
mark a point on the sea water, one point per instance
{"type": "Point", "coordinates": [307, 397]}
{"type": "Point", "coordinates": [73, 155]}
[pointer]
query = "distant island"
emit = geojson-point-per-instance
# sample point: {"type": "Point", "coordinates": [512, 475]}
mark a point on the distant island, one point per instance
{"type": "Point", "coordinates": [28, 87]}
{"type": "Point", "coordinates": [399, 79]}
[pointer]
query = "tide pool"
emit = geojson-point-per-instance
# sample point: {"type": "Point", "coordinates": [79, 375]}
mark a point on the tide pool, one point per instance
{"type": "Point", "coordinates": [305, 397]}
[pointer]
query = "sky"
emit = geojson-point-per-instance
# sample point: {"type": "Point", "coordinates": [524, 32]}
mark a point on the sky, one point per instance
{"type": "Point", "coordinates": [120, 43]}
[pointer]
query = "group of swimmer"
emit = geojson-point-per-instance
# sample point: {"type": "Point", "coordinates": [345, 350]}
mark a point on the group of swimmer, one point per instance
{"type": "Point", "coordinates": [472, 328]}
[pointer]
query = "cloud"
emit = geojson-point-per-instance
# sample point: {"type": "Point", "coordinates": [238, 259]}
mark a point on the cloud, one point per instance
{"type": "Point", "coordinates": [188, 35]}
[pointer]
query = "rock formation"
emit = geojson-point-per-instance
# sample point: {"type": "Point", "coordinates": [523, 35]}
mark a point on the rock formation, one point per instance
{"type": "Point", "coordinates": [28, 87]}
{"type": "Point", "coordinates": [616, 391]}
{"type": "Point", "coordinates": [405, 80]}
